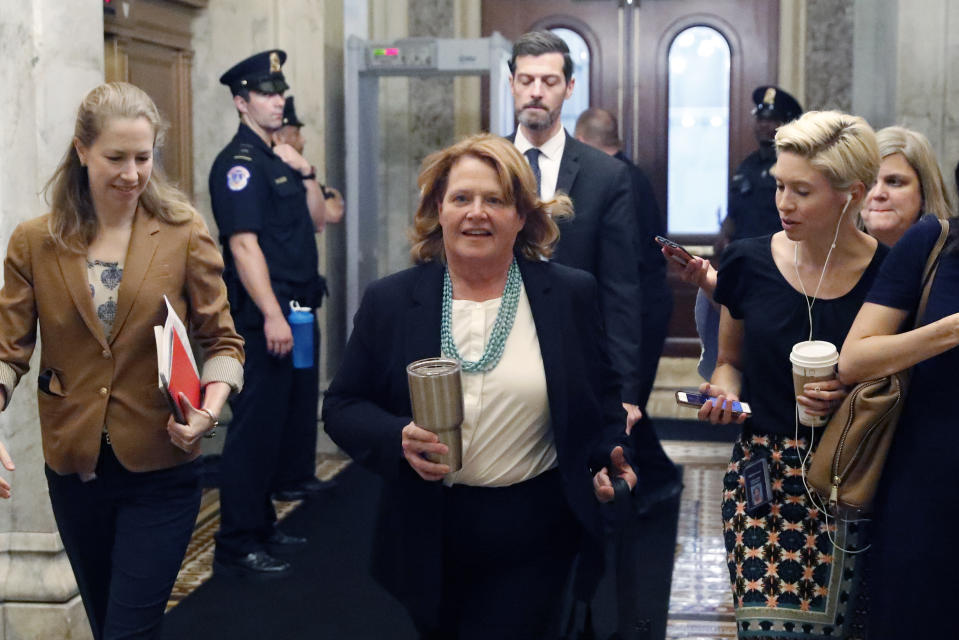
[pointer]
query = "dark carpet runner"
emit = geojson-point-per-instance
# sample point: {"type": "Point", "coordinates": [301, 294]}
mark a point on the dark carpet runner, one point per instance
{"type": "Point", "coordinates": [331, 595]}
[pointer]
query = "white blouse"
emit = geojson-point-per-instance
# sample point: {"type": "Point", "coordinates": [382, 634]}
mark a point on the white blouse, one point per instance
{"type": "Point", "coordinates": [507, 435]}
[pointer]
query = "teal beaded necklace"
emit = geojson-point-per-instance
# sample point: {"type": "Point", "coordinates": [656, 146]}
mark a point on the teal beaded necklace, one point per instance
{"type": "Point", "coordinates": [501, 328]}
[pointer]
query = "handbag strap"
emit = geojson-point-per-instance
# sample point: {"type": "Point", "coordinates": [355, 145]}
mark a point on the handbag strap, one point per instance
{"type": "Point", "coordinates": [929, 273]}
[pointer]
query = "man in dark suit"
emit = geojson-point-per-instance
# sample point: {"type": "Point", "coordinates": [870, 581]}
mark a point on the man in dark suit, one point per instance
{"type": "Point", "coordinates": [642, 584]}
{"type": "Point", "coordinates": [601, 237]}
{"type": "Point", "coordinates": [598, 128]}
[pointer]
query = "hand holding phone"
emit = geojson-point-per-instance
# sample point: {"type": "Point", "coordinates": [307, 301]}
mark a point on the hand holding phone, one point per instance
{"type": "Point", "coordinates": [676, 251]}
{"type": "Point", "coordinates": [699, 399]}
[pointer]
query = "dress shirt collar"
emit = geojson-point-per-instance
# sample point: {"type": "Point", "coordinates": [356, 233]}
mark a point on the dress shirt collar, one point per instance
{"type": "Point", "coordinates": [551, 156]}
{"type": "Point", "coordinates": [552, 148]}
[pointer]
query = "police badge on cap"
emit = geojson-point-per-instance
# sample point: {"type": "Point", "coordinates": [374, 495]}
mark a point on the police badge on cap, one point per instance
{"type": "Point", "coordinates": [773, 103]}
{"type": "Point", "coordinates": [261, 72]}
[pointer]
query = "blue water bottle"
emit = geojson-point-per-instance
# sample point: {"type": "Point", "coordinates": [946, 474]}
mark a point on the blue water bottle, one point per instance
{"type": "Point", "coordinates": [301, 323]}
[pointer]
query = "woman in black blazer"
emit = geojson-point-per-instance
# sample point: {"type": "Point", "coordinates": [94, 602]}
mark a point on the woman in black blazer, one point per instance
{"type": "Point", "coordinates": [485, 551]}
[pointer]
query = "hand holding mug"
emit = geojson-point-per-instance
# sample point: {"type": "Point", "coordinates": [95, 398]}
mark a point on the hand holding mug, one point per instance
{"type": "Point", "coordinates": [417, 442]}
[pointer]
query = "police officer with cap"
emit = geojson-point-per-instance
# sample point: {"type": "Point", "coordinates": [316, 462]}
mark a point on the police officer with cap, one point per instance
{"type": "Point", "coordinates": [752, 192]}
{"type": "Point", "coordinates": [291, 133]}
{"type": "Point", "coordinates": [268, 206]}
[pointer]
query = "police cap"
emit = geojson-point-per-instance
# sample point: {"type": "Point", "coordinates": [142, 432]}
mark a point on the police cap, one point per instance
{"type": "Point", "coordinates": [773, 103]}
{"type": "Point", "coordinates": [260, 72]}
{"type": "Point", "coordinates": [289, 114]}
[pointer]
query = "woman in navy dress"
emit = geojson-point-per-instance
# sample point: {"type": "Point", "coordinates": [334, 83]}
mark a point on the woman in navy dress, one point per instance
{"type": "Point", "coordinates": [910, 566]}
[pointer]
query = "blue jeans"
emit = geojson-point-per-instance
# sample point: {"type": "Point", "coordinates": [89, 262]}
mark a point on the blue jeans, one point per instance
{"type": "Point", "coordinates": [125, 534]}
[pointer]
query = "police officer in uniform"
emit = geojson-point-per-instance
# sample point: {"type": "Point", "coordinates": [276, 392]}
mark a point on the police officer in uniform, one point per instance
{"type": "Point", "coordinates": [752, 192]}
{"type": "Point", "coordinates": [268, 206]}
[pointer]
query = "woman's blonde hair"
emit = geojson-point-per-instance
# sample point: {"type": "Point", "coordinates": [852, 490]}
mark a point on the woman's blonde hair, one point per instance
{"type": "Point", "coordinates": [539, 235]}
{"type": "Point", "coordinates": [841, 146]}
{"type": "Point", "coordinates": [917, 151]}
{"type": "Point", "coordinates": [73, 220]}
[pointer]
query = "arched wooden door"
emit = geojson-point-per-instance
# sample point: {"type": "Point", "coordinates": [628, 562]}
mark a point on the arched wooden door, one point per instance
{"type": "Point", "coordinates": [629, 45]}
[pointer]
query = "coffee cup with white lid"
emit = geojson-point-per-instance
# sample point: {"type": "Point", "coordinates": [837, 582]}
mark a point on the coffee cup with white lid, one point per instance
{"type": "Point", "coordinates": [812, 361]}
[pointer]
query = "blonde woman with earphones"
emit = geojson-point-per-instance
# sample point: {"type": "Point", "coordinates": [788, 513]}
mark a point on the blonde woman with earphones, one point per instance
{"type": "Point", "coordinates": [805, 282]}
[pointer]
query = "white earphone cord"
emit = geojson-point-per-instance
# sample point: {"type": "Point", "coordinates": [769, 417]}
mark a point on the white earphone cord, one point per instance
{"type": "Point", "coordinates": [805, 459]}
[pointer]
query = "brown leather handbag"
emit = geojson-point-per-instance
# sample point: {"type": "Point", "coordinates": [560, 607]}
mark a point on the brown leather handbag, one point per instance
{"type": "Point", "coordinates": [846, 466]}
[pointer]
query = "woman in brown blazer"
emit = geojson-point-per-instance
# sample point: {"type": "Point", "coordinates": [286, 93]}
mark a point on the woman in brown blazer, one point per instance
{"type": "Point", "coordinates": [91, 275]}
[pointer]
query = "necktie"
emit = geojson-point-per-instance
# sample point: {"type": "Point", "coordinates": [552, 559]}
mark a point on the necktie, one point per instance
{"type": "Point", "coordinates": [532, 154]}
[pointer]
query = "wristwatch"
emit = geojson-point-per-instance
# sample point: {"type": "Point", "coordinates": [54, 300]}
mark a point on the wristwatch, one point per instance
{"type": "Point", "coordinates": [310, 176]}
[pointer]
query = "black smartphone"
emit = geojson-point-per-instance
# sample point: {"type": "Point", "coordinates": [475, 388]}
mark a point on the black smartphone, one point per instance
{"type": "Point", "coordinates": [683, 257]}
{"type": "Point", "coordinates": [699, 399]}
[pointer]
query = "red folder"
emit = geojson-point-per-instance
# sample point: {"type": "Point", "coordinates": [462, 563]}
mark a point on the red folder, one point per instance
{"type": "Point", "coordinates": [176, 368]}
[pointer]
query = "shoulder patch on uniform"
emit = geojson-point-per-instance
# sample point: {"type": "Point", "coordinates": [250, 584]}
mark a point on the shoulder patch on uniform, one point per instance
{"type": "Point", "coordinates": [237, 178]}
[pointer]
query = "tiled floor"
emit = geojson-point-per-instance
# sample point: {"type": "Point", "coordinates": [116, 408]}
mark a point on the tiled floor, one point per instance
{"type": "Point", "coordinates": [700, 605]}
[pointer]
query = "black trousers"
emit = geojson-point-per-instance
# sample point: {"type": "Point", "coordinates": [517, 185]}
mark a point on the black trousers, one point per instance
{"type": "Point", "coordinates": [655, 327]}
{"type": "Point", "coordinates": [507, 554]}
{"type": "Point", "coordinates": [276, 400]}
{"type": "Point", "coordinates": [297, 463]}
{"type": "Point", "coordinates": [125, 534]}
{"type": "Point", "coordinates": [657, 473]}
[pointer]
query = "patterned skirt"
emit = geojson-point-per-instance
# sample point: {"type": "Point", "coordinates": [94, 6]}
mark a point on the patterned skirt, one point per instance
{"type": "Point", "coordinates": [788, 579]}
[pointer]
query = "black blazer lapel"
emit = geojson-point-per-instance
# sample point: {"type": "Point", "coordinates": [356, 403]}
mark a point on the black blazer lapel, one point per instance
{"type": "Point", "coordinates": [424, 314]}
{"type": "Point", "coordinates": [544, 304]}
{"type": "Point", "coordinates": [568, 165]}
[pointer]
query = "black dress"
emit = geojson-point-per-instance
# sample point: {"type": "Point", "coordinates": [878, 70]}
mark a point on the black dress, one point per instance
{"type": "Point", "coordinates": [911, 570]}
{"type": "Point", "coordinates": [787, 578]}
{"type": "Point", "coordinates": [775, 318]}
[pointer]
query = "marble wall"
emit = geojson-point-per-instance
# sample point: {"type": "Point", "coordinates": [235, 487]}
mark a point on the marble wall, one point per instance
{"type": "Point", "coordinates": [417, 115]}
{"type": "Point", "coordinates": [886, 61]}
{"type": "Point", "coordinates": [927, 75]}
{"type": "Point", "coordinates": [829, 39]}
{"type": "Point", "coordinates": [52, 55]}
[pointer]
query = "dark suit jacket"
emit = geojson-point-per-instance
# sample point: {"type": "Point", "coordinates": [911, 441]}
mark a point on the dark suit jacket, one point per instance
{"type": "Point", "coordinates": [602, 239]}
{"type": "Point", "coordinates": [368, 405]}
{"type": "Point", "coordinates": [92, 381]}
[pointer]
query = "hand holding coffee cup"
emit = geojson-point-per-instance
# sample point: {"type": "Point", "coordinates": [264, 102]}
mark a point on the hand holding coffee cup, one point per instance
{"type": "Point", "coordinates": [815, 383]}
{"type": "Point", "coordinates": [822, 398]}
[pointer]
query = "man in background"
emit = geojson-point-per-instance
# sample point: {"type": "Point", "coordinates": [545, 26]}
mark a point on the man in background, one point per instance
{"type": "Point", "coordinates": [601, 237]}
{"type": "Point", "coordinates": [643, 585]}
